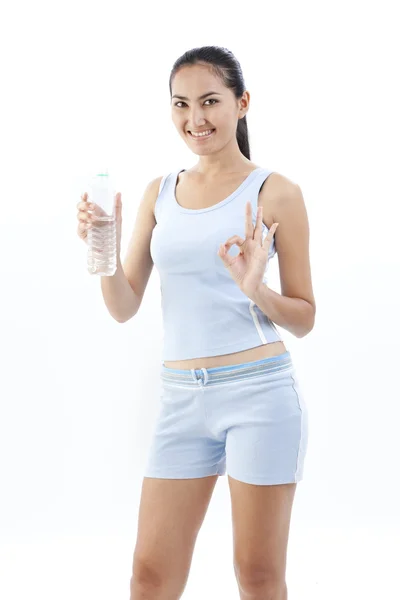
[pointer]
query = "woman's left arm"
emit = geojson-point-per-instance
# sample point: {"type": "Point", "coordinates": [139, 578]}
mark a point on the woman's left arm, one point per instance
{"type": "Point", "coordinates": [295, 309]}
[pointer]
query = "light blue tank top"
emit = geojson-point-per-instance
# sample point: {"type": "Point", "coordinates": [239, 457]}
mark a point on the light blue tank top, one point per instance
{"type": "Point", "coordinates": [204, 311]}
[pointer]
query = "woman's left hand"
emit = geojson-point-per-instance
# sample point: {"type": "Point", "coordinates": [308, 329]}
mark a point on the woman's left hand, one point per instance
{"type": "Point", "coordinates": [248, 267]}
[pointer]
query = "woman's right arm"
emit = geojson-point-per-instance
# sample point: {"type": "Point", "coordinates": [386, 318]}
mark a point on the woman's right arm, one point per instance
{"type": "Point", "coordinates": [123, 292]}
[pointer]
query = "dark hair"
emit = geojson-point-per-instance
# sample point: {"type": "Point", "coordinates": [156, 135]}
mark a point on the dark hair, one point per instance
{"type": "Point", "coordinates": [227, 67]}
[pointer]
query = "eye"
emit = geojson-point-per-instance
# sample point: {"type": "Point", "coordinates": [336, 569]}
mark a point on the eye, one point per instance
{"type": "Point", "coordinates": [209, 100]}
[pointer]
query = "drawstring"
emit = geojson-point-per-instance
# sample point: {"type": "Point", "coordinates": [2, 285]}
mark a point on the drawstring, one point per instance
{"type": "Point", "coordinates": [199, 380]}
{"type": "Point", "coordinates": [205, 375]}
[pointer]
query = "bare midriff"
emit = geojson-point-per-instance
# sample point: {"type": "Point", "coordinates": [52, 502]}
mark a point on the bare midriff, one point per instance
{"type": "Point", "coordinates": [223, 360]}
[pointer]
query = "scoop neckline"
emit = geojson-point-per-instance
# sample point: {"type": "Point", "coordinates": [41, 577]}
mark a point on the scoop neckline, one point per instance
{"type": "Point", "coordinates": [244, 183]}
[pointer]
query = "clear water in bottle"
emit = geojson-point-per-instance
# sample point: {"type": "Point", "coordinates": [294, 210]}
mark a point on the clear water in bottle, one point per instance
{"type": "Point", "coordinates": [102, 237]}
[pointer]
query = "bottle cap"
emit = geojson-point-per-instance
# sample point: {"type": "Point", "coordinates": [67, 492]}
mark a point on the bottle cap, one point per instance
{"type": "Point", "coordinates": [103, 172]}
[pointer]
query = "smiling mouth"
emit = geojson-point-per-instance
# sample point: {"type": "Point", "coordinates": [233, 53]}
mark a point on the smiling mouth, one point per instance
{"type": "Point", "coordinates": [201, 137]}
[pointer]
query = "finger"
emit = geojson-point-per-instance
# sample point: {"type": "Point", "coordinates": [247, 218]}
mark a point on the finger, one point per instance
{"type": "Point", "coordinates": [84, 226]}
{"type": "Point", "coordinates": [85, 206]}
{"type": "Point", "coordinates": [83, 215]}
{"type": "Point", "coordinates": [268, 238]}
{"type": "Point", "coordinates": [249, 229]}
{"type": "Point", "coordinates": [84, 198]}
{"type": "Point", "coordinates": [118, 205]}
{"type": "Point", "coordinates": [258, 227]}
{"type": "Point", "coordinates": [234, 239]}
{"type": "Point", "coordinates": [82, 231]}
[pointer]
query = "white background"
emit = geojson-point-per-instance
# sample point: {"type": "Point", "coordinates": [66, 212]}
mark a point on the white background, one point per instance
{"type": "Point", "coordinates": [87, 82]}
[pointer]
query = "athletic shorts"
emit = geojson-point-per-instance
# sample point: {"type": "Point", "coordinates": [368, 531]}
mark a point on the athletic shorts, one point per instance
{"type": "Point", "coordinates": [247, 420]}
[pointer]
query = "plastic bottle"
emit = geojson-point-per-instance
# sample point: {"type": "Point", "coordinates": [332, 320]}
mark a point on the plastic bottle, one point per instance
{"type": "Point", "coordinates": [102, 240]}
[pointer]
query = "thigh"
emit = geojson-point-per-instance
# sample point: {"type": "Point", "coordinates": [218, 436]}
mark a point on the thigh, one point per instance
{"type": "Point", "coordinates": [182, 446]}
{"type": "Point", "coordinates": [261, 521]}
{"type": "Point", "coordinates": [171, 513]}
{"type": "Point", "coordinates": [267, 439]}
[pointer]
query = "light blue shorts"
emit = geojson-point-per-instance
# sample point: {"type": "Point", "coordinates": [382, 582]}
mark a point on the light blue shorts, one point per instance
{"type": "Point", "coordinates": [248, 420]}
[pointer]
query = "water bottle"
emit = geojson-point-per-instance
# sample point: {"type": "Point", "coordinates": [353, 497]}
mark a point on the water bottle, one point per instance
{"type": "Point", "coordinates": [102, 239]}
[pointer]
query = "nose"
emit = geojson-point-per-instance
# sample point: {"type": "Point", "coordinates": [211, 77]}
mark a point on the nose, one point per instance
{"type": "Point", "coordinates": [196, 118]}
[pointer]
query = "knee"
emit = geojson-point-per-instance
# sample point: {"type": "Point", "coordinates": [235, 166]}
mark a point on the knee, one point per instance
{"type": "Point", "coordinates": [256, 580]}
{"type": "Point", "coordinates": [146, 575]}
{"type": "Point", "coordinates": [156, 579]}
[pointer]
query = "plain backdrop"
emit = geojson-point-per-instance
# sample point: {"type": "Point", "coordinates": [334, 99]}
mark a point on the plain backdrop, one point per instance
{"type": "Point", "coordinates": [86, 83]}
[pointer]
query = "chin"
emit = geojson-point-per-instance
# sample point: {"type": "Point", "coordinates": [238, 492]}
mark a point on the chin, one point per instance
{"type": "Point", "coordinates": [203, 152]}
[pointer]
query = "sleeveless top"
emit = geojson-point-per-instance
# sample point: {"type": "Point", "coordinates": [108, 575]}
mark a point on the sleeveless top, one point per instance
{"type": "Point", "coordinates": [204, 311]}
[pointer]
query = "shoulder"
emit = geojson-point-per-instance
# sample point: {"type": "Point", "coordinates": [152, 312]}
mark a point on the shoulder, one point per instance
{"type": "Point", "coordinates": [152, 191]}
{"type": "Point", "coordinates": [155, 183]}
{"type": "Point", "coordinates": [277, 194]}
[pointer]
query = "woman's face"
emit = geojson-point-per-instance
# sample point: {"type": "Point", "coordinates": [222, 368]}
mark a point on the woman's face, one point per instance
{"type": "Point", "coordinates": [218, 111]}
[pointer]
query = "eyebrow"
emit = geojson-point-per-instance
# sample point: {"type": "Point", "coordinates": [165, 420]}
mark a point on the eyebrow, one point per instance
{"type": "Point", "coordinates": [199, 98]}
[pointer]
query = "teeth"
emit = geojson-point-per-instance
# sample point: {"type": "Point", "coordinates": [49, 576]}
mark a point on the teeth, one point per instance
{"type": "Point", "coordinates": [204, 133]}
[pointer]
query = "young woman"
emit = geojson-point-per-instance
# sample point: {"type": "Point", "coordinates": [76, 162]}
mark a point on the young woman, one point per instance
{"type": "Point", "coordinates": [230, 401]}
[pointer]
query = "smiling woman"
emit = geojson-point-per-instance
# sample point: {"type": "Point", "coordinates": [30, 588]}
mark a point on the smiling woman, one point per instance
{"type": "Point", "coordinates": [230, 401]}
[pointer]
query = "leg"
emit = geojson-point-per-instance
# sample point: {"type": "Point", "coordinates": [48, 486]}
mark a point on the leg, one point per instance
{"type": "Point", "coordinates": [261, 519]}
{"type": "Point", "coordinates": [171, 513]}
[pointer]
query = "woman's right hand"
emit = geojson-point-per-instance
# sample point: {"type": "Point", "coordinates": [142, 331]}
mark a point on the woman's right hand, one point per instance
{"type": "Point", "coordinates": [87, 213]}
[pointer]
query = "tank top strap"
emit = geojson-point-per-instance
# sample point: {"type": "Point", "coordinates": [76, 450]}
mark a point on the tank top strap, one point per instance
{"type": "Point", "coordinates": [255, 187]}
{"type": "Point", "coordinates": [166, 194]}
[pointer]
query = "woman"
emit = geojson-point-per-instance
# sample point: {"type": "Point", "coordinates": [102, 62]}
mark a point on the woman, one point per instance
{"type": "Point", "coordinates": [230, 399]}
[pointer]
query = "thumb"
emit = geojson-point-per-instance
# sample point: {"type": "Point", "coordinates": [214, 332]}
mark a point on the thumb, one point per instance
{"type": "Point", "coordinates": [118, 204]}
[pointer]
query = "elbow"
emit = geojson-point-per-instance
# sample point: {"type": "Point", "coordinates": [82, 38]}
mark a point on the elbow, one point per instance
{"type": "Point", "coordinates": [307, 327]}
{"type": "Point", "coordinates": [117, 318]}
{"type": "Point", "coordinates": [124, 319]}
{"type": "Point", "coordinates": [303, 333]}
{"type": "Point", "coordinates": [121, 320]}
